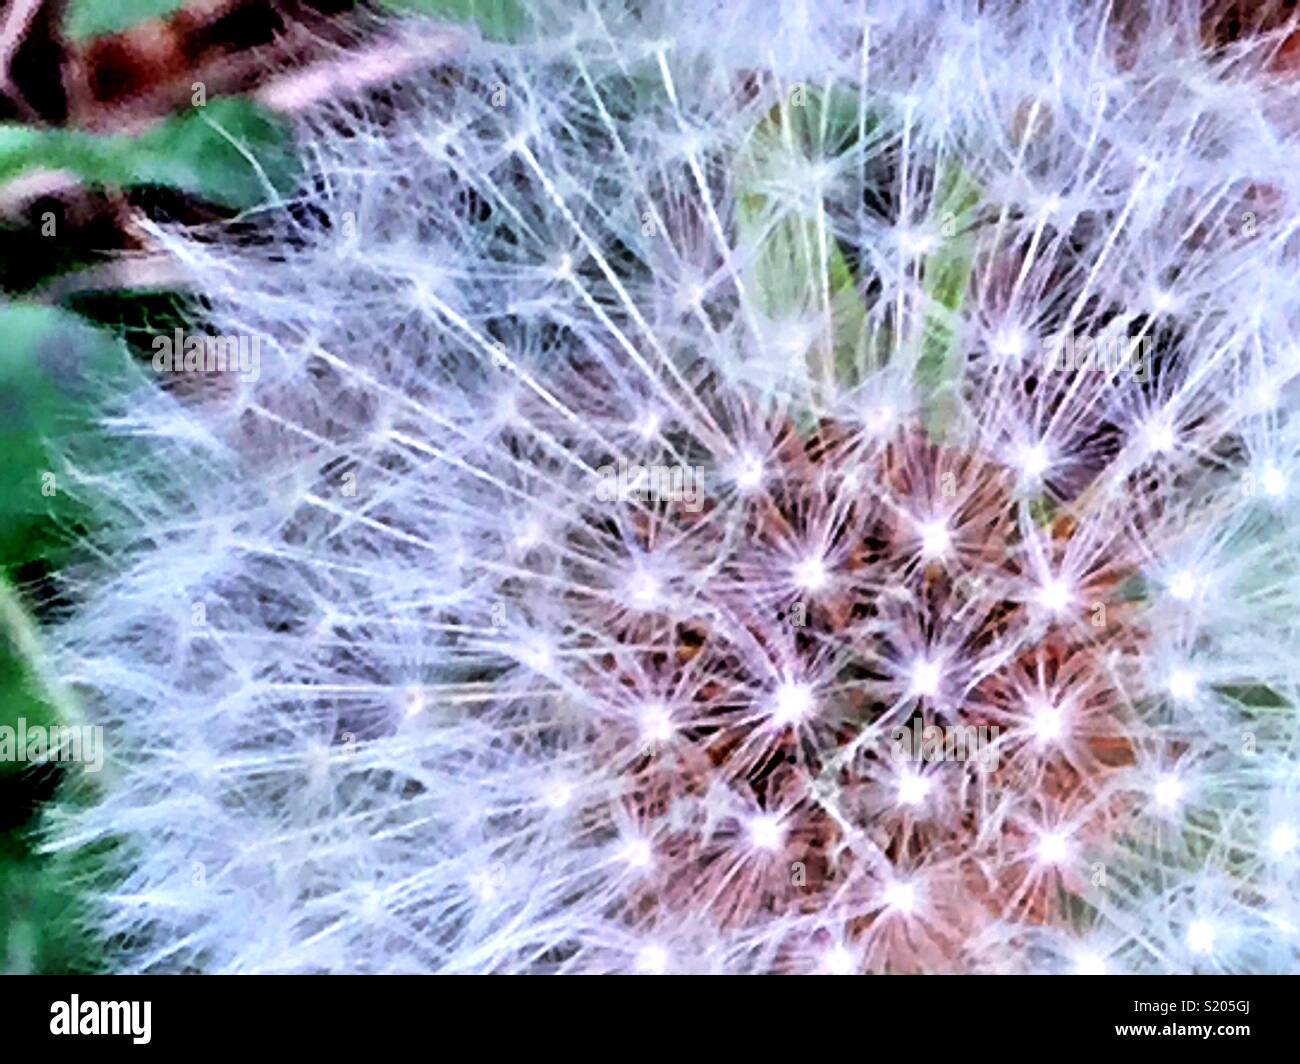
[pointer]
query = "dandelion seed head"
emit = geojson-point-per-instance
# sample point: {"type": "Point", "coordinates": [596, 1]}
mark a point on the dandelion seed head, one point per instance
{"type": "Point", "coordinates": [576, 723]}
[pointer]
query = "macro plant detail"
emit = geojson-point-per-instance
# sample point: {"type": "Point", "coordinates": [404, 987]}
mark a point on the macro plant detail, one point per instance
{"type": "Point", "coordinates": [389, 682]}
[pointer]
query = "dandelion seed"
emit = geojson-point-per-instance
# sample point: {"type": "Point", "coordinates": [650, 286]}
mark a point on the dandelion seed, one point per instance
{"type": "Point", "coordinates": [1054, 595]}
{"type": "Point", "coordinates": [558, 794]}
{"type": "Point", "coordinates": [1201, 937]}
{"type": "Point", "coordinates": [637, 853]}
{"type": "Point", "coordinates": [1182, 684]}
{"type": "Point", "coordinates": [529, 536]}
{"type": "Point", "coordinates": [652, 960]}
{"type": "Point", "coordinates": [1159, 436]}
{"type": "Point", "coordinates": [484, 885]}
{"type": "Point", "coordinates": [912, 789]}
{"type": "Point", "coordinates": [417, 701]}
{"type": "Point", "coordinates": [1046, 722]}
{"type": "Point", "coordinates": [1163, 301]}
{"type": "Point", "coordinates": [810, 574]}
{"type": "Point", "coordinates": [926, 677]}
{"type": "Point", "coordinates": [1169, 791]}
{"type": "Point", "coordinates": [1010, 343]}
{"type": "Point", "coordinates": [1089, 963]}
{"type": "Point", "coordinates": [749, 473]}
{"type": "Point", "coordinates": [881, 419]}
{"type": "Point", "coordinates": [1053, 848]}
{"type": "Point", "coordinates": [649, 425]}
{"type": "Point", "coordinates": [765, 832]}
{"type": "Point", "coordinates": [935, 539]}
{"type": "Point", "coordinates": [901, 897]}
{"type": "Point", "coordinates": [1033, 461]}
{"type": "Point", "coordinates": [793, 702]}
{"type": "Point", "coordinates": [916, 244]}
{"type": "Point", "coordinates": [656, 725]}
{"type": "Point", "coordinates": [1273, 481]}
{"type": "Point", "coordinates": [1183, 587]}
{"type": "Point", "coordinates": [1282, 840]}
{"type": "Point", "coordinates": [1263, 397]}
{"type": "Point", "coordinates": [536, 652]}
{"type": "Point", "coordinates": [644, 589]}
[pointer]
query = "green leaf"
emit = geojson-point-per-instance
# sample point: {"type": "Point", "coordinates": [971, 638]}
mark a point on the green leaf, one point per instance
{"type": "Point", "coordinates": [92, 18]}
{"type": "Point", "coordinates": [1254, 696]}
{"type": "Point", "coordinates": [42, 920]}
{"type": "Point", "coordinates": [497, 20]}
{"type": "Point", "coordinates": [96, 158]}
{"type": "Point", "coordinates": [231, 152]}
{"type": "Point", "coordinates": [53, 370]}
{"type": "Point", "coordinates": [43, 923]}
